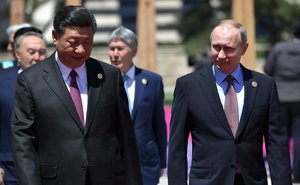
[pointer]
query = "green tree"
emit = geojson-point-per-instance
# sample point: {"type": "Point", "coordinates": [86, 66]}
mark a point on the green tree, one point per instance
{"type": "Point", "coordinates": [195, 23]}
{"type": "Point", "coordinates": [274, 19]}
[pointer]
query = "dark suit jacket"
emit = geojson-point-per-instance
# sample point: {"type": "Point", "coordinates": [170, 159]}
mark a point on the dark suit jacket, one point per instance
{"type": "Point", "coordinates": [149, 124]}
{"type": "Point", "coordinates": [8, 78]}
{"type": "Point", "coordinates": [51, 146]}
{"type": "Point", "coordinates": [197, 109]}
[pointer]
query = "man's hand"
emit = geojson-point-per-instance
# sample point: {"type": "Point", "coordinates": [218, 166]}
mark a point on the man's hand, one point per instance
{"type": "Point", "coordinates": [1, 176]}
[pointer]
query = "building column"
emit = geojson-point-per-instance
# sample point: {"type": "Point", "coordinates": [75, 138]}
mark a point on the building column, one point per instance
{"type": "Point", "coordinates": [146, 32]}
{"type": "Point", "coordinates": [73, 2]}
{"type": "Point", "coordinates": [243, 12]}
{"type": "Point", "coordinates": [16, 14]}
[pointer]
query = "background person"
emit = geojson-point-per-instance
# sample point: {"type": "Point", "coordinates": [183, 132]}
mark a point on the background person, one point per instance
{"type": "Point", "coordinates": [30, 48]}
{"type": "Point", "coordinates": [199, 61]}
{"type": "Point", "coordinates": [283, 64]}
{"type": "Point", "coordinates": [10, 48]}
{"type": "Point", "coordinates": [227, 147]}
{"type": "Point", "coordinates": [71, 123]}
{"type": "Point", "coordinates": [146, 104]}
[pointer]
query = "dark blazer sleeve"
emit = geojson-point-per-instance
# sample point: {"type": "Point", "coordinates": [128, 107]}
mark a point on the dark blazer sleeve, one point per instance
{"type": "Point", "coordinates": [177, 155]}
{"type": "Point", "coordinates": [277, 142]}
{"type": "Point", "coordinates": [24, 138]}
{"type": "Point", "coordinates": [160, 124]}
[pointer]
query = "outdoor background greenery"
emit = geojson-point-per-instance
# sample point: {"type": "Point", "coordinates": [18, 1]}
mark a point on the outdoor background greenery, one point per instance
{"type": "Point", "coordinates": [274, 22]}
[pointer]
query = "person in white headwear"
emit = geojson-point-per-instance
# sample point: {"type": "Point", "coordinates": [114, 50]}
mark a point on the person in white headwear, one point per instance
{"type": "Point", "coordinates": [10, 31]}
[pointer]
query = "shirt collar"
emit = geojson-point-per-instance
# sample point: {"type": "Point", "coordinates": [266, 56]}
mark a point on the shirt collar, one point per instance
{"type": "Point", "coordinates": [220, 76]}
{"type": "Point", "coordinates": [65, 71]}
{"type": "Point", "coordinates": [131, 72]}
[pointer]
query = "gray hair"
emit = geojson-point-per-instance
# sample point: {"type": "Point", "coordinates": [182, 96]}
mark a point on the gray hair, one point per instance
{"type": "Point", "coordinates": [18, 41]}
{"type": "Point", "coordinates": [124, 34]}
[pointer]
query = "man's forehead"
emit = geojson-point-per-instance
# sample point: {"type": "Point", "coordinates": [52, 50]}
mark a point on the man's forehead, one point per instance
{"type": "Point", "coordinates": [225, 31]}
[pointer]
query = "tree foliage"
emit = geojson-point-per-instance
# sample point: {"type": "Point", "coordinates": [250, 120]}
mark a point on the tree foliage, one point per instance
{"type": "Point", "coordinates": [274, 20]}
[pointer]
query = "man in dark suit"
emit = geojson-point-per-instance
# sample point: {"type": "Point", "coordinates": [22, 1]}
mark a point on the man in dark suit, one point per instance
{"type": "Point", "coordinates": [283, 64]}
{"type": "Point", "coordinates": [30, 49]}
{"type": "Point", "coordinates": [71, 124]}
{"type": "Point", "coordinates": [146, 103]}
{"type": "Point", "coordinates": [221, 154]}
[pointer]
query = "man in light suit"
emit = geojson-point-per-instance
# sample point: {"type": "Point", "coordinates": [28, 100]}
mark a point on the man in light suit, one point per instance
{"type": "Point", "coordinates": [220, 155]}
{"type": "Point", "coordinates": [283, 64]}
{"type": "Point", "coordinates": [62, 139]}
{"type": "Point", "coordinates": [146, 103]}
{"type": "Point", "coordinates": [30, 48]}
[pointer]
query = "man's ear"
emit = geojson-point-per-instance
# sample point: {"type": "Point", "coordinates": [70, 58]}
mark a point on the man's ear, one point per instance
{"type": "Point", "coordinates": [54, 36]}
{"type": "Point", "coordinates": [17, 54]}
{"type": "Point", "coordinates": [245, 47]}
{"type": "Point", "coordinates": [134, 50]}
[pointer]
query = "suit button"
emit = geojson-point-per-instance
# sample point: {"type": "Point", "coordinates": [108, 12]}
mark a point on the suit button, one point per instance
{"type": "Point", "coordinates": [83, 167]}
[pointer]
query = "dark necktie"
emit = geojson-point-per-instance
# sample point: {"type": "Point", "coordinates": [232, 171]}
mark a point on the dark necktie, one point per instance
{"type": "Point", "coordinates": [75, 94]}
{"type": "Point", "coordinates": [231, 106]}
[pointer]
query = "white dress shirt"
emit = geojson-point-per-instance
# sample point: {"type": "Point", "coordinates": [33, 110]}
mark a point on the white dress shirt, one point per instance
{"type": "Point", "coordinates": [131, 87]}
{"type": "Point", "coordinates": [81, 81]}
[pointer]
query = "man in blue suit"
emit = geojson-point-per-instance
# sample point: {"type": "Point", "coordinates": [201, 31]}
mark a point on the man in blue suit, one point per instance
{"type": "Point", "coordinates": [30, 48]}
{"type": "Point", "coordinates": [146, 100]}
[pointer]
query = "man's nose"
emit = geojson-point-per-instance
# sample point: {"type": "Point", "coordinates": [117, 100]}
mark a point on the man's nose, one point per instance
{"type": "Point", "coordinates": [221, 54]}
{"type": "Point", "coordinates": [80, 49]}
{"type": "Point", "coordinates": [115, 52]}
{"type": "Point", "coordinates": [9, 47]}
{"type": "Point", "coordinates": [38, 57]}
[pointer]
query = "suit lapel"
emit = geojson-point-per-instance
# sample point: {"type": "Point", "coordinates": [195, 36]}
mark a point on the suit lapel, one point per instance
{"type": "Point", "coordinates": [211, 93]}
{"type": "Point", "coordinates": [139, 90]}
{"type": "Point", "coordinates": [95, 77]}
{"type": "Point", "coordinates": [250, 85]}
{"type": "Point", "coordinates": [55, 81]}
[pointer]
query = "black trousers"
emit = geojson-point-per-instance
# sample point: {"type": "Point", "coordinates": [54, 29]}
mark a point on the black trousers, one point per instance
{"type": "Point", "coordinates": [88, 178]}
{"type": "Point", "coordinates": [239, 180]}
{"type": "Point", "coordinates": [291, 118]}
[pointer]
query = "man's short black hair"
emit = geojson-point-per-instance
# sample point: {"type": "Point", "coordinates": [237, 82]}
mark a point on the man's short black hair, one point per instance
{"type": "Point", "coordinates": [22, 31]}
{"type": "Point", "coordinates": [77, 16]}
